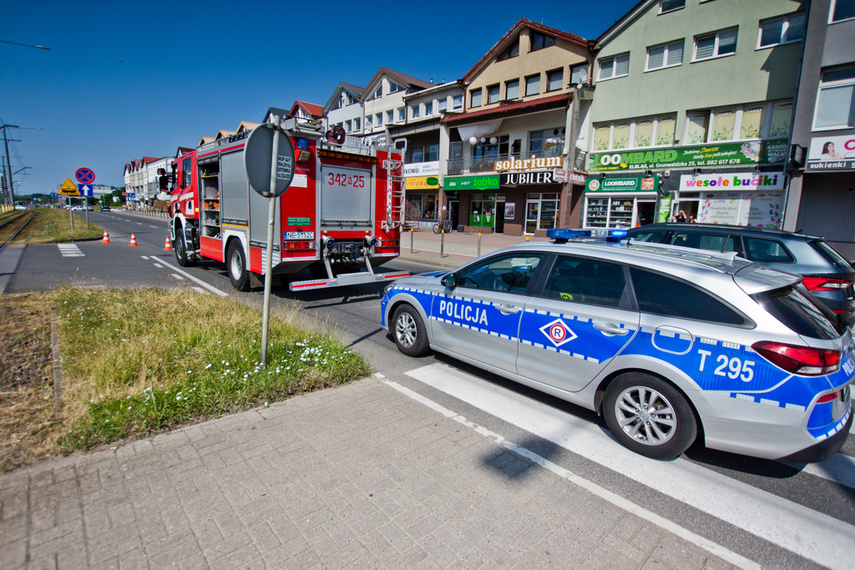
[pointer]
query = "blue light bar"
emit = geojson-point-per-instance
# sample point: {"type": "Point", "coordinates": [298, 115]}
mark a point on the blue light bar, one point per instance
{"type": "Point", "coordinates": [562, 235]}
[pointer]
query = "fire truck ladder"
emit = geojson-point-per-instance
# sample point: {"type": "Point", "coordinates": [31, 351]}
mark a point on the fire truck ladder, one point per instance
{"type": "Point", "coordinates": [396, 203]}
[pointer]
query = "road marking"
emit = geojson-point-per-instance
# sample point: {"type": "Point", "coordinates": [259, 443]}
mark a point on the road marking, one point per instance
{"type": "Point", "coordinates": [210, 288]}
{"type": "Point", "coordinates": [179, 277]}
{"type": "Point", "coordinates": [593, 488]}
{"type": "Point", "coordinates": [814, 535]}
{"type": "Point", "coordinates": [70, 250]}
{"type": "Point", "coordinates": [200, 290]}
{"type": "Point", "coordinates": [159, 266]}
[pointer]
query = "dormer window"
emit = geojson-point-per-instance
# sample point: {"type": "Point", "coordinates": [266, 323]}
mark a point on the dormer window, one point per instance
{"type": "Point", "coordinates": [540, 41]}
{"type": "Point", "coordinates": [512, 50]}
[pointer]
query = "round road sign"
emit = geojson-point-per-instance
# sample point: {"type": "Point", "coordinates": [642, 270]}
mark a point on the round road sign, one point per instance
{"type": "Point", "coordinates": [85, 175]}
{"type": "Point", "coordinates": [258, 160]}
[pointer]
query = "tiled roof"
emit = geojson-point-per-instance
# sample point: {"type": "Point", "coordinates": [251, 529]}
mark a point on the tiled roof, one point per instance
{"type": "Point", "coordinates": [517, 108]}
{"type": "Point", "coordinates": [311, 109]}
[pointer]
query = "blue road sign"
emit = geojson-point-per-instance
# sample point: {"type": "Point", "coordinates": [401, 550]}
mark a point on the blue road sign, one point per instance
{"type": "Point", "coordinates": [86, 190]}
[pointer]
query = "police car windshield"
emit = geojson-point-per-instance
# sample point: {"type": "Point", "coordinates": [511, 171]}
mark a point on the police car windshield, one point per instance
{"type": "Point", "coordinates": [801, 313]}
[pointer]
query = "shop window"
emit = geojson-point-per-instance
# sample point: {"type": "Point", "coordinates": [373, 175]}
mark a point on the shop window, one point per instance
{"type": "Point", "coordinates": [492, 93]}
{"type": "Point", "coordinates": [483, 210]}
{"type": "Point", "coordinates": [670, 55]}
{"type": "Point", "coordinates": [781, 31]}
{"type": "Point", "coordinates": [421, 206]}
{"type": "Point", "coordinates": [475, 98]}
{"type": "Point", "coordinates": [666, 6]}
{"type": "Point", "coordinates": [512, 50]}
{"type": "Point", "coordinates": [540, 211]}
{"type": "Point", "coordinates": [842, 10]}
{"type": "Point", "coordinates": [554, 79]}
{"type": "Point", "coordinates": [715, 45]}
{"type": "Point", "coordinates": [532, 85]}
{"type": "Point", "coordinates": [512, 89]}
{"type": "Point", "coordinates": [835, 106]}
{"type": "Point", "coordinates": [612, 67]}
{"type": "Point", "coordinates": [540, 41]}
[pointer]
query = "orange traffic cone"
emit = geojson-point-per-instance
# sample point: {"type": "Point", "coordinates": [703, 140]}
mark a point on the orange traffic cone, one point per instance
{"type": "Point", "coordinates": [106, 237]}
{"type": "Point", "coordinates": [168, 245]}
{"type": "Point", "coordinates": [134, 241]}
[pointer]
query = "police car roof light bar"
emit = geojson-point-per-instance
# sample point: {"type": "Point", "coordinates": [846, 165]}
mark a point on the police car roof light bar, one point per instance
{"type": "Point", "coordinates": [563, 235]}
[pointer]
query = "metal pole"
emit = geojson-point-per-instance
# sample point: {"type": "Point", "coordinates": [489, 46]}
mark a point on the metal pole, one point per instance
{"type": "Point", "coordinates": [411, 240]}
{"type": "Point", "coordinates": [268, 279]}
{"type": "Point", "coordinates": [442, 244]}
{"type": "Point", "coordinates": [479, 245]}
{"type": "Point", "coordinates": [9, 183]}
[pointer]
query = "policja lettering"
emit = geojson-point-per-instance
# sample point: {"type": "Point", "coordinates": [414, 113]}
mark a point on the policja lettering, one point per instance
{"type": "Point", "coordinates": [462, 312]}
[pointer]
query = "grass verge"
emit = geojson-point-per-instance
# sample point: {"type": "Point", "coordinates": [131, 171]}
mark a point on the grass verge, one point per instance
{"type": "Point", "coordinates": [54, 226]}
{"type": "Point", "coordinates": [139, 362]}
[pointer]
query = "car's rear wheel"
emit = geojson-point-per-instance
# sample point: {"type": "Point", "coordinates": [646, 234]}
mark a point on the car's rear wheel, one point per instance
{"type": "Point", "coordinates": [409, 331]}
{"type": "Point", "coordinates": [649, 416]}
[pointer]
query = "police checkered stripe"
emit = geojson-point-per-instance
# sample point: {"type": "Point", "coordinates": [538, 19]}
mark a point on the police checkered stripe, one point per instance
{"type": "Point", "coordinates": [559, 351]}
{"type": "Point", "coordinates": [766, 401]}
{"type": "Point", "coordinates": [837, 427]}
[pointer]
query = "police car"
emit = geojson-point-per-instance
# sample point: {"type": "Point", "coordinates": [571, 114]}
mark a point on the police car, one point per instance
{"type": "Point", "coordinates": [670, 344]}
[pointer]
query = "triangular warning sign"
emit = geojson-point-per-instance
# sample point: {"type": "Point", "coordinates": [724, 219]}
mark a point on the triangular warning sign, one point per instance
{"type": "Point", "coordinates": [68, 188]}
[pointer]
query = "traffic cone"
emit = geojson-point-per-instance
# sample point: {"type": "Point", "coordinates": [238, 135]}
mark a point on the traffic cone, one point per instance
{"type": "Point", "coordinates": [134, 241]}
{"type": "Point", "coordinates": [106, 237]}
{"type": "Point", "coordinates": [168, 245]}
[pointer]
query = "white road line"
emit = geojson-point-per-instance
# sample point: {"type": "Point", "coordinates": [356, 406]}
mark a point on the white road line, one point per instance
{"type": "Point", "coordinates": [70, 250]}
{"type": "Point", "coordinates": [210, 288]}
{"type": "Point", "coordinates": [593, 488]}
{"type": "Point", "coordinates": [159, 266]}
{"type": "Point", "coordinates": [816, 536]}
{"type": "Point", "coordinates": [179, 277]}
{"type": "Point", "coordinates": [200, 290]}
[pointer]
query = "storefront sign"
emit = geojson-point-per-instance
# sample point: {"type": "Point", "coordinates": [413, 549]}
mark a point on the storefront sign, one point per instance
{"type": "Point", "coordinates": [514, 178]}
{"type": "Point", "coordinates": [421, 183]}
{"type": "Point", "coordinates": [422, 169]}
{"type": "Point", "coordinates": [734, 181]}
{"type": "Point", "coordinates": [510, 210]}
{"type": "Point", "coordinates": [487, 182]}
{"type": "Point", "coordinates": [832, 153]}
{"type": "Point", "coordinates": [561, 175]}
{"type": "Point", "coordinates": [516, 164]}
{"type": "Point", "coordinates": [630, 184]}
{"type": "Point", "coordinates": [755, 209]}
{"type": "Point", "coordinates": [723, 154]}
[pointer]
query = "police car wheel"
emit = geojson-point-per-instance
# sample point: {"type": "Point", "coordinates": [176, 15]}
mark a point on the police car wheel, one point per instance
{"type": "Point", "coordinates": [238, 274]}
{"type": "Point", "coordinates": [649, 416]}
{"type": "Point", "coordinates": [409, 331]}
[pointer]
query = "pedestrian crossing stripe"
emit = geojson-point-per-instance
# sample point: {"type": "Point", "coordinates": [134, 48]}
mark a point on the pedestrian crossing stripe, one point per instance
{"type": "Point", "coordinates": [70, 250]}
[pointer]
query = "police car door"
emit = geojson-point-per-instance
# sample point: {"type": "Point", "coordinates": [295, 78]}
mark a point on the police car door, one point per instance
{"type": "Point", "coordinates": [580, 321]}
{"type": "Point", "coordinates": [479, 317]}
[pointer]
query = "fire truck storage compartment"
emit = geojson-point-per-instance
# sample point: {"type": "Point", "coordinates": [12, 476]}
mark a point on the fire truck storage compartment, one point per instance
{"type": "Point", "coordinates": [347, 197]}
{"type": "Point", "coordinates": [209, 176]}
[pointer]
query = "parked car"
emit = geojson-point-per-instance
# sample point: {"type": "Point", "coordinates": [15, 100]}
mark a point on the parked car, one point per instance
{"type": "Point", "coordinates": [825, 272]}
{"type": "Point", "coordinates": [669, 344]}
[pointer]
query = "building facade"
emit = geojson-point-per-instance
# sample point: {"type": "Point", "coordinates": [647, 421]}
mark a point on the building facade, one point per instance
{"type": "Point", "coordinates": [691, 114]}
{"type": "Point", "coordinates": [821, 197]}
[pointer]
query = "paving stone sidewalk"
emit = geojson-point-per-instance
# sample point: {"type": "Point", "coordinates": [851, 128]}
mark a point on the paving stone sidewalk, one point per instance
{"type": "Point", "coordinates": [360, 476]}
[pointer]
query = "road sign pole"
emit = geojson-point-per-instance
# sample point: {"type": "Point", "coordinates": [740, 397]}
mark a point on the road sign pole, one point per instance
{"type": "Point", "coordinates": [268, 278]}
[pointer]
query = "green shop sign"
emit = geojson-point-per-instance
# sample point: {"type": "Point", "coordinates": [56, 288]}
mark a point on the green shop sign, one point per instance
{"type": "Point", "coordinates": [487, 182]}
{"type": "Point", "coordinates": [299, 221]}
{"type": "Point", "coordinates": [723, 154]}
{"type": "Point", "coordinates": [627, 184]}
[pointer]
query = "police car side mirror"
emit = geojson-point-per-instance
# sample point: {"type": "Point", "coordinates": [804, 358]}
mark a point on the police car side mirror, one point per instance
{"type": "Point", "coordinates": [449, 281]}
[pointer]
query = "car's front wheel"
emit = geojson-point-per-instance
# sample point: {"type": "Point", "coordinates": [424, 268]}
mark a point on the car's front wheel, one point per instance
{"type": "Point", "coordinates": [236, 262]}
{"type": "Point", "coordinates": [182, 256]}
{"type": "Point", "coordinates": [649, 416]}
{"type": "Point", "coordinates": [409, 331]}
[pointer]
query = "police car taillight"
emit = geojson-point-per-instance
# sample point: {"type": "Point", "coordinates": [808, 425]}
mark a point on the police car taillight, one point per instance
{"type": "Point", "coordinates": [801, 360]}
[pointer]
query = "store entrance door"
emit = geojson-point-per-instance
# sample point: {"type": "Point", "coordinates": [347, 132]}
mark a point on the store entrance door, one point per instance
{"type": "Point", "coordinates": [453, 213]}
{"type": "Point", "coordinates": [500, 218]}
{"type": "Point", "coordinates": [646, 212]}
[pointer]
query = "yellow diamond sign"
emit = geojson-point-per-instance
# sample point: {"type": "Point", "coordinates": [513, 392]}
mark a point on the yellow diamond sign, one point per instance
{"type": "Point", "coordinates": [68, 188]}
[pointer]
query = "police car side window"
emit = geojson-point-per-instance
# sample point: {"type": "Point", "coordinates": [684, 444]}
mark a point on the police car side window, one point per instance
{"type": "Point", "coordinates": [663, 295]}
{"type": "Point", "coordinates": [585, 281]}
{"type": "Point", "coordinates": [509, 273]}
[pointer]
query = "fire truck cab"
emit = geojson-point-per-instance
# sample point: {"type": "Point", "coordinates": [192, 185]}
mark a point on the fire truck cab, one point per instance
{"type": "Point", "coordinates": [341, 217]}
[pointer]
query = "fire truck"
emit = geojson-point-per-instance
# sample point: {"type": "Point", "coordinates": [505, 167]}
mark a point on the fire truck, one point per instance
{"type": "Point", "coordinates": [340, 218]}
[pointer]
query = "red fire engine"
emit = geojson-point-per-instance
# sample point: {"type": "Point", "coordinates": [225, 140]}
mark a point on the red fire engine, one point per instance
{"type": "Point", "coordinates": [341, 217]}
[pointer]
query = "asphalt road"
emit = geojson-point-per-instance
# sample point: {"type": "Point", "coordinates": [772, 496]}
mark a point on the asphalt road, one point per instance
{"type": "Point", "coordinates": [776, 514]}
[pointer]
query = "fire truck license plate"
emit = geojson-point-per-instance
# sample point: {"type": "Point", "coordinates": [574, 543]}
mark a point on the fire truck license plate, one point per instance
{"type": "Point", "coordinates": [299, 235]}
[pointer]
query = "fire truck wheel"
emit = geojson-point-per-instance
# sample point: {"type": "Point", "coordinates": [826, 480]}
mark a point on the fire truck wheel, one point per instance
{"type": "Point", "coordinates": [236, 261]}
{"type": "Point", "coordinates": [181, 256]}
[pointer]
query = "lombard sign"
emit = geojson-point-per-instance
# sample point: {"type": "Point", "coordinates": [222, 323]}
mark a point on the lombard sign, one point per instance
{"type": "Point", "coordinates": [723, 154]}
{"type": "Point", "coordinates": [488, 182]}
{"type": "Point", "coordinates": [518, 165]}
{"type": "Point", "coordinates": [735, 181]}
{"type": "Point", "coordinates": [832, 153]}
{"type": "Point", "coordinates": [629, 184]}
{"type": "Point", "coordinates": [422, 169]}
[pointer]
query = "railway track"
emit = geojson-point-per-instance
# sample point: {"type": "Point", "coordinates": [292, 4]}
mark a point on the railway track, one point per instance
{"type": "Point", "coordinates": [9, 229]}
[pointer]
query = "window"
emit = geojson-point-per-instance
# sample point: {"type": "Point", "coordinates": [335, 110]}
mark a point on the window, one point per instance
{"type": "Point", "coordinates": [666, 6]}
{"type": "Point", "coordinates": [402, 114]}
{"type": "Point", "coordinates": [835, 106]}
{"type": "Point", "coordinates": [512, 50]}
{"type": "Point", "coordinates": [662, 295]}
{"type": "Point", "coordinates": [554, 79]}
{"type": "Point", "coordinates": [540, 41]}
{"type": "Point", "coordinates": [395, 87]}
{"type": "Point", "coordinates": [432, 153]}
{"type": "Point", "coordinates": [475, 98]}
{"type": "Point", "coordinates": [493, 93]}
{"type": "Point", "coordinates": [347, 127]}
{"type": "Point", "coordinates": [512, 89]}
{"type": "Point", "coordinates": [442, 105]}
{"type": "Point", "coordinates": [377, 94]}
{"type": "Point", "coordinates": [457, 103]}
{"type": "Point", "coordinates": [511, 272]}
{"type": "Point", "coordinates": [715, 45]}
{"type": "Point", "coordinates": [842, 10]}
{"type": "Point", "coordinates": [378, 120]}
{"type": "Point", "coordinates": [540, 211]}
{"type": "Point", "coordinates": [368, 122]}
{"type": "Point", "coordinates": [546, 143]}
{"type": "Point", "coordinates": [390, 116]}
{"type": "Point", "coordinates": [635, 133]}
{"type": "Point", "coordinates": [617, 66]}
{"type": "Point", "coordinates": [585, 281]}
{"type": "Point", "coordinates": [428, 108]}
{"type": "Point", "coordinates": [357, 123]}
{"type": "Point", "coordinates": [781, 31]}
{"type": "Point", "coordinates": [532, 85]}
{"type": "Point", "coordinates": [414, 111]}
{"type": "Point", "coordinates": [418, 154]}
{"type": "Point", "coordinates": [669, 55]}
{"type": "Point", "coordinates": [579, 74]}
{"type": "Point", "coordinates": [752, 121]}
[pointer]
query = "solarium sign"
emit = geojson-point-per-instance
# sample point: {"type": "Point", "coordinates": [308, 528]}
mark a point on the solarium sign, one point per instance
{"type": "Point", "coordinates": [724, 154]}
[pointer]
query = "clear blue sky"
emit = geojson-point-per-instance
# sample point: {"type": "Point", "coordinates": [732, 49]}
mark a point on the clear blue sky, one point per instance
{"type": "Point", "coordinates": [130, 79]}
